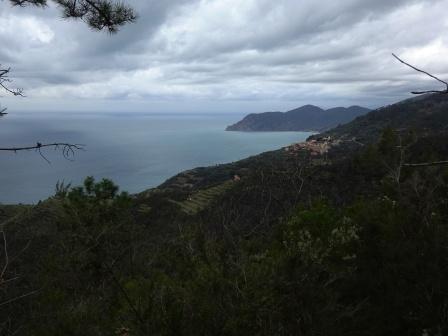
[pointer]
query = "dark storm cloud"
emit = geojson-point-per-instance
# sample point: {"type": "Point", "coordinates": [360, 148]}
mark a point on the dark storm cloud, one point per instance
{"type": "Point", "coordinates": [270, 25]}
{"type": "Point", "coordinates": [230, 50]}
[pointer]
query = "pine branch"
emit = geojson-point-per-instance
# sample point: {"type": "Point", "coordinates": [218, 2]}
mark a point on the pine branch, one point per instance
{"type": "Point", "coordinates": [98, 14]}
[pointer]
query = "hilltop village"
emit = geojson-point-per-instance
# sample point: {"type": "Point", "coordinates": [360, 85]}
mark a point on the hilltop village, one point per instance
{"type": "Point", "coordinates": [315, 147]}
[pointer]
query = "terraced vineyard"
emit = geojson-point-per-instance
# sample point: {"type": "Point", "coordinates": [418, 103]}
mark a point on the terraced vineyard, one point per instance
{"type": "Point", "coordinates": [201, 199]}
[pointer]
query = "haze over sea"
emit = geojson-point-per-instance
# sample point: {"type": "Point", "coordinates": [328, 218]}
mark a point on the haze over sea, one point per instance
{"type": "Point", "coordinates": [136, 151]}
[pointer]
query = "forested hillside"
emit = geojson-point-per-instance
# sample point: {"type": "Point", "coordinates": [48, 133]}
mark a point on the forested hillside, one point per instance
{"type": "Point", "coordinates": [304, 118]}
{"type": "Point", "coordinates": [342, 235]}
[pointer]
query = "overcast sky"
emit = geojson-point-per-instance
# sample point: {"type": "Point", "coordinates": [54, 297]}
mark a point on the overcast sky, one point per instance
{"type": "Point", "coordinates": [226, 55]}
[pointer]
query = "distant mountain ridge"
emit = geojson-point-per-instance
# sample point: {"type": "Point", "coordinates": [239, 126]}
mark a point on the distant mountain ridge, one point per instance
{"type": "Point", "coordinates": [305, 118]}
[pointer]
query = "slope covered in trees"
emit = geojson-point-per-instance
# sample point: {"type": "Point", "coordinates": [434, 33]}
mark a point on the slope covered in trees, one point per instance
{"type": "Point", "coordinates": [305, 118]}
{"type": "Point", "coordinates": [350, 241]}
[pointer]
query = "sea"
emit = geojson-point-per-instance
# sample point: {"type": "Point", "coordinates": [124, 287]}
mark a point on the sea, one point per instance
{"type": "Point", "coordinates": [136, 150]}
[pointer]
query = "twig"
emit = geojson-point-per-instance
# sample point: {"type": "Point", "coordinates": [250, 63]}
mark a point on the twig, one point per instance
{"type": "Point", "coordinates": [430, 91]}
{"type": "Point", "coordinates": [20, 253]}
{"type": "Point", "coordinates": [5, 79]}
{"type": "Point", "coordinates": [5, 249]}
{"type": "Point", "coordinates": [126, 296]}
{"type": "Point", "coordinates": [68, 150]}
{"type": "Point", "coordinates": [426, 73]}
{"type": "Point", "coordinates": [426, 164]}
{"type": "Point", "coordinates": [18, 297]}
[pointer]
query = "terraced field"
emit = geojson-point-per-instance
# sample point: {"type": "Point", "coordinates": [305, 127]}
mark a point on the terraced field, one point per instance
{"type": "Point", "coordinates": [201, 199]}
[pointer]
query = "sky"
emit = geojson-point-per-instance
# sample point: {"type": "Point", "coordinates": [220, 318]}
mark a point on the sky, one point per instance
{"type": "Point", "coordinates": [225, 56]}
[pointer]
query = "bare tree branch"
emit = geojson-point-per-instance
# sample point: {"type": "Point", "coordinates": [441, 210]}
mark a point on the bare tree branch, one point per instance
{"type": "Point", "coordinates": [5, 266]}
{"type": "Point", "coordinates": [126, 296]}
{"type": "Point", "coordinates": [426, 73]}
{"type": "Point", "coordinates": [18, 297]}
{"type": "Point", "coordinates": [4, 80]}
{"type": "Point", "coordinates": [426, 164]}
{"type": "Point", "coordinates": [68, 150]}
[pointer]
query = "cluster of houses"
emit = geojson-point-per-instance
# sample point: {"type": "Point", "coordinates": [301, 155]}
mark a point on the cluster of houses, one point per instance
{"type": "Point", "coordinates": [315, 147]}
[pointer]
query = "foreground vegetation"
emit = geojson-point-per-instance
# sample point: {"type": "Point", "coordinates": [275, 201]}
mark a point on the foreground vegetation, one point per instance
{"type": "Point", "coordinates": [351, 243]}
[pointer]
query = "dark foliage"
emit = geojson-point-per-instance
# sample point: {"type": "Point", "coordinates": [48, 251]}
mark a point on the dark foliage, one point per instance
{"type": "Point", "coordinates": [98, 14]}
{"type": "Point", "coordinates": [305, 118]}
{"type": "Point", "coordinates": [349, 243]}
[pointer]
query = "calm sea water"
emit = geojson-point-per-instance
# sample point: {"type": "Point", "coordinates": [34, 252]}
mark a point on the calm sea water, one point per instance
{"type": "Point", "coordinates": [136, 151]}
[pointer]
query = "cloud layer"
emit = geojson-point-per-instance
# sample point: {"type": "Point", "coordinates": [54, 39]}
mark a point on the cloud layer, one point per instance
{"type": "Point", "coordinates": [226, 55]}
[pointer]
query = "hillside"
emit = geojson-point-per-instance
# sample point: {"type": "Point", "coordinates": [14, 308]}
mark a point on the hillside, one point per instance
{"type": "Point", "coordinates": [424, 115]}
{"type": "Point", "coordinates": [305, 118]}
{"type": "Point", "coordinates": [333, 236]}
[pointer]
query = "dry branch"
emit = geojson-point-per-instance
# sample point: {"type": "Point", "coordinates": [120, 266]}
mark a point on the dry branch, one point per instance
{"type": "Point", "coordinates": [18, 297]}
{"type": "Point", "coordinates": [426, 73]}
{"type": "Point", "coordinates": [5, 251]}
{"type": "Point", "coordinates": [4, 80]}
{"type": "Point", "coordinates": [426, 164]}
{"type": "Point", "coordinates": [68, 150]}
